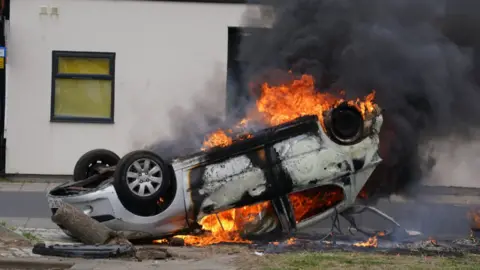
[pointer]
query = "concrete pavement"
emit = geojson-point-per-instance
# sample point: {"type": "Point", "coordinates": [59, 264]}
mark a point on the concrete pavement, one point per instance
{"type": "Point", "coordinates": [26, 186]}
{"type": "Point", "coordinates": [24, 204]}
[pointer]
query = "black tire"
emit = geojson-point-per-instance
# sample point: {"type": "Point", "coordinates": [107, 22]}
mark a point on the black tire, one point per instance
{"type": "Point", "coordinates": [84, 167]}
{"type": "Point", "coordinates": [140, 205]}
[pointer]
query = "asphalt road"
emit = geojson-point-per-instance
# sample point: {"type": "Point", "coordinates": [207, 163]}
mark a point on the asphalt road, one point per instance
{"type": "Point", "coordinates": [24, 204]}
{"type": "Point", "coordinates": [432, 219]}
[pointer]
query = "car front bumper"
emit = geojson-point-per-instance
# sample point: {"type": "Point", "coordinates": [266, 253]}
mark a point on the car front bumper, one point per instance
{"type": "Point", "coordinates": [104, 206]}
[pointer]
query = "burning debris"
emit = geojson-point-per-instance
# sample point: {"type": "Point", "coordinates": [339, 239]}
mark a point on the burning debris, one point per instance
{"type": "Point", "coordinates": [371, 242]}
{"type": "Point", "coordinates": [227, 226]}
{"type": "Point", "coordinates": [236, 225]}
{"type": "Point", "coordinates": [474, 217]}
{"type": "Point", "coordinates": [423, 247]}
{"type": "Point", "coordinates": [412, 243]}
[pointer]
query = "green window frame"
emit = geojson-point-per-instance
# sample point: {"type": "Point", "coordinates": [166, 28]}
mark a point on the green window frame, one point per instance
{"type": "Point", "coordinates": [83, 87]}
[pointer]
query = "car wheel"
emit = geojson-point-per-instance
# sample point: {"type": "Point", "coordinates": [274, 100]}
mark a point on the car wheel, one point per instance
{"type": "Point", "coordinates": [141, 178]}
{"type": "Point", "coordinates": [88, 164]}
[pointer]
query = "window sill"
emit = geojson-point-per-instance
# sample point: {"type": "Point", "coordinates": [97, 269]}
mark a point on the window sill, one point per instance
{"type": "Point", "coordinates": [82, 120]}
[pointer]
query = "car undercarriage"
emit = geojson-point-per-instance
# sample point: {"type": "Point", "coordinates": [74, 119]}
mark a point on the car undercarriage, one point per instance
{"type": "Point", "coordinates": [294, 175]}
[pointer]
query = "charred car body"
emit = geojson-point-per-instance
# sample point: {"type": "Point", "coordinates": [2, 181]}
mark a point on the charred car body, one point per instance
{"type": "Point", "coordinates": [142, 195]}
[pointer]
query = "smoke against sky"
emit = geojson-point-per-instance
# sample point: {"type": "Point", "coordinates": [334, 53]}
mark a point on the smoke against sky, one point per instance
{"type": "Point", "coordinates": [404, 49]}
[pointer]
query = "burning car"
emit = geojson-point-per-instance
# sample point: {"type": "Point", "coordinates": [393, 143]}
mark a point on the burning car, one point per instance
{"type": "Point", "coordinates": [287, 176]}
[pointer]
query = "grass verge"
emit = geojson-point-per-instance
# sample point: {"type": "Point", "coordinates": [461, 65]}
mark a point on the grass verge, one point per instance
{"type": "Point", "coordinates": [31, 237]}
{"type": "Point", "coordinates": [343, 260]}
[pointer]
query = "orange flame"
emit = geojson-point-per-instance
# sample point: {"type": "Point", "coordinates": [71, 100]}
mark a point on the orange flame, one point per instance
{"type": "Point", "coordinates": [433, 241]}
{"type": "Point", "coordinates": [160, 241]}
{"type": "Point", "coordinates": [291, 241]}
{"type": "Point", "coordinates": [217, 138]}
{"type": "Point", "coordinates": [313, 201]}
{"type": "Point", "coordinates": [371, 242]}
{"type": "Point", "coordinates": [226, 226]}
{"type": "Point", "coordinates": [283, 103]}
{"type": "Point", "coordinates": [474, 217]}
{"type": "Point", "coordinates": [280, 104]}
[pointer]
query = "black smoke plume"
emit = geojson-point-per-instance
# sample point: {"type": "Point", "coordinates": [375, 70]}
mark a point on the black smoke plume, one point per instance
{"type": "Point", "coordinates": [419, 55]}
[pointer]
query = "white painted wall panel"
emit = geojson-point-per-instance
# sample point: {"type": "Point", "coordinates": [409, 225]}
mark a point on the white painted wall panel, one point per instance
{"type": "Point", "coordinates": [167, 54]}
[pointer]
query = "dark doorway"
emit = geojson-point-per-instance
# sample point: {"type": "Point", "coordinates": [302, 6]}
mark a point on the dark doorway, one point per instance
{"type": "Point", "coordinates": [235, 85]}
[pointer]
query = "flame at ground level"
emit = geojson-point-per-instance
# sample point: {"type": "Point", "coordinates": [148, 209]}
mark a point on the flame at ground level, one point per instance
{"type": "Point", "coordinates": [371, 242]}
{"type": "Point", "coordinates": [228, 226]}
{"type": "Point", "coordinates": [474, 217]}
{"type": "Point", "coordinates": [280, 104]}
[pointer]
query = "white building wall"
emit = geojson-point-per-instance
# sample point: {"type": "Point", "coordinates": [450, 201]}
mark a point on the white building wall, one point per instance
{"type": "Point", "coordinates": [167, 54]}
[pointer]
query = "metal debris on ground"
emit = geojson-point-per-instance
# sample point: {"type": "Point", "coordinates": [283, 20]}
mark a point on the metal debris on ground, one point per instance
{"type": "Point", "coordinates": [85, 251]}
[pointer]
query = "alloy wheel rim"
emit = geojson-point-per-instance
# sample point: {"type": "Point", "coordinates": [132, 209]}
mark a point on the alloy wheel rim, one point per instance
{"type": "Point", "coordinates": [144, 177]}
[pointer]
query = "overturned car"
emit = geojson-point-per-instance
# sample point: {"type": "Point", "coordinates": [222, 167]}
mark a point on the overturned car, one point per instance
{"type": "Point", "coordinates": [144, 196]}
